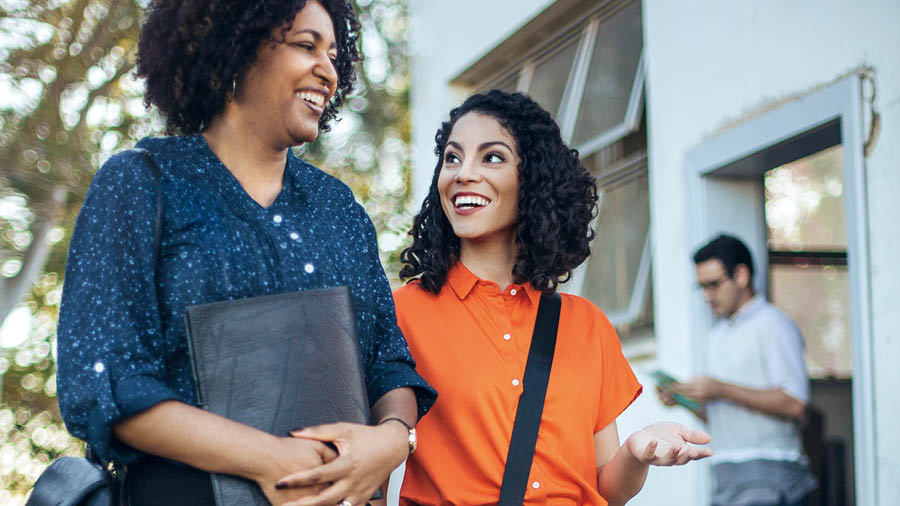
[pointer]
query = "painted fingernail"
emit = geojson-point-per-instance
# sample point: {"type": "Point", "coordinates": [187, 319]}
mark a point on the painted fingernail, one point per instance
{"type": "Point", "coordinates": [281, 485]}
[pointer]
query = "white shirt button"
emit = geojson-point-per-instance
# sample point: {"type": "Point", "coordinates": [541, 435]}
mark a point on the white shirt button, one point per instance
{"type": "Point", "coordinates": [277, 218]}
{"type": "Point", "coordinates": [309, 268]}
{"type": "Point", "coordinates": [512, 292]}
{"type": "Point", "coordinates": [507, 337]}
{"type": "Point", "coordinates": [536, 484]}
{"type": "Point", "coordinates": [99, 367]}
{"type": "Point", "coordinates": [295, 235]}
{"type": "Point", "coordinates": [515, 382]}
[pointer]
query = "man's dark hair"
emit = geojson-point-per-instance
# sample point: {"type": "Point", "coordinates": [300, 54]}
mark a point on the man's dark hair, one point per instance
{"type": "Point", "coordinates": [193, 53]}
{"type": "Point", "coordinates": [557, 200]}
{"type": "Point", "coordinates": [729, 250]}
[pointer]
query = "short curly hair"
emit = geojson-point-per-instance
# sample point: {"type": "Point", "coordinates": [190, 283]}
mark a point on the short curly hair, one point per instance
{"type": "Point", "coordinates": [557, 200]}
{"type": "Point", "coordinates": [193, 52]}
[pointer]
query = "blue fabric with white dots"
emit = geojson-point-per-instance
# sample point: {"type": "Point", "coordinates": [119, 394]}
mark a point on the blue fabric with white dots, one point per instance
{"type": "Point", "coordinates": [121, 335]}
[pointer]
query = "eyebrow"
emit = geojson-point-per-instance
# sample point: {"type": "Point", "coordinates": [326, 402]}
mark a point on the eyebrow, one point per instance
{"type": "Point", "coordinates": [316, 36]}
{"type": "Point", "coordinates": [482, 146]}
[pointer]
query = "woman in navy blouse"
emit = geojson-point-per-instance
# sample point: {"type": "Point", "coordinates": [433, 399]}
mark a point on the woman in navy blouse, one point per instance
{"type": "Point", "coordinates": [241, 82]}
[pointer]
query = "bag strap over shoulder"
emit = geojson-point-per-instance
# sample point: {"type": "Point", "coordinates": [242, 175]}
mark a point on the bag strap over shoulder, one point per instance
{"type": "Point", "coordinates": [157, 177]}
{"type": "Point", "coordinates": [531, 402]}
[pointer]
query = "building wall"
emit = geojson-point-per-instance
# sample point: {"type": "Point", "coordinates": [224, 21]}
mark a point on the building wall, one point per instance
{"type": "Point", "coordinates": [712, 64]}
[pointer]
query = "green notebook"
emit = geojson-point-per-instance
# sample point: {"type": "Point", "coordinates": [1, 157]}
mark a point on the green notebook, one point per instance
{"type": "Point", "coordinates": [663, 380]}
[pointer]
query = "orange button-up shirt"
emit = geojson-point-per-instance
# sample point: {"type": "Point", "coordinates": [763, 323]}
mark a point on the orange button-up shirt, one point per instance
{"type": "Point", "coordinates": [471, 343]}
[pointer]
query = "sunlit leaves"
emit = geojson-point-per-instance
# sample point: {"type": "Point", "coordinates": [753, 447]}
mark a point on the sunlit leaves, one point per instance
{"type": "Point", "coordinates": [28, 442]}
{"type": "Point", "coordinates": [31, 431]}
{"type": "Point", "coordinates": [66, 103]}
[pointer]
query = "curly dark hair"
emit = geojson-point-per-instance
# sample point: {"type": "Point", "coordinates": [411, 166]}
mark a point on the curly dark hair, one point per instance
{"type": "Point", "coordinates": [557, 200]}
{"type": "Point", "coordinates": [192, 53]}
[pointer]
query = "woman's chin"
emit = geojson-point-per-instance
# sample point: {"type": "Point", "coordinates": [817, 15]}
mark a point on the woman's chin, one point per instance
{"type": "Point", "coordinates": [304, 136]}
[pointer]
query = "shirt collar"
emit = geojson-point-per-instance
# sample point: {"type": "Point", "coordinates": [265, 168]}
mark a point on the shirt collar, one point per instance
{"type": "Point", "coordinates": [533, 295]}
{"type": "Point", "coordinates": [746, 309]}
{"type": "Point", "coordinates": [462, 281]}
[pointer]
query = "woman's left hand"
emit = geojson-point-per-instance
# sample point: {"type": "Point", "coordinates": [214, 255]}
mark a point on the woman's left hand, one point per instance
{"type": "Point", "coordinates": [668, 444]}
{"type": "Point", "coordinates": [366, 457]}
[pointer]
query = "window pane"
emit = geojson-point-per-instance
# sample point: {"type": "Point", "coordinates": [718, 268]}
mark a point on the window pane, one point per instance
{"type": "Point", "coordinates": [611, 76]}
{"type": "Point", "coordinates": [805, 204]}
{"type": "Point", "coordinates": [550, 76]}
{"type": "Point", "coordinates": [616, 251]}
{"type": "Point", "coordinates": [509, 84]}
{"type": "Point", "coordinates": [816, 298]}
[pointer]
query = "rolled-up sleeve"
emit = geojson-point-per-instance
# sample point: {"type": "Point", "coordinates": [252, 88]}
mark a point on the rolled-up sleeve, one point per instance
{"type": "Point", "coordinates": [110, 344]}
{"type": "Point", "coordinates": [389, 364]}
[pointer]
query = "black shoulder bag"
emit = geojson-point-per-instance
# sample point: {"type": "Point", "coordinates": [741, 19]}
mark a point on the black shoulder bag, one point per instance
{"type": "Point", "coordinates": [88, 481]}
{"type": "Point", "coordinates": [531, 403]}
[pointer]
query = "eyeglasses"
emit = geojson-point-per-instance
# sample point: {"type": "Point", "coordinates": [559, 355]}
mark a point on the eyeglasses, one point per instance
{"type": "Point", "coordinates": [714, 284]}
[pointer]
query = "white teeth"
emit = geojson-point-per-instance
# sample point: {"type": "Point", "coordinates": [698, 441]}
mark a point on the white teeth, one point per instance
{"type": "Point", "coordinates": [471, 200]}
{"type": "Point", "coordinates": [313, 97]}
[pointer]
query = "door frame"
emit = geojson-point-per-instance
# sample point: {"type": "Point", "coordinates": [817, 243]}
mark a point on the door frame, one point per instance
{"type": "Point", "coordinates": [710, 177]}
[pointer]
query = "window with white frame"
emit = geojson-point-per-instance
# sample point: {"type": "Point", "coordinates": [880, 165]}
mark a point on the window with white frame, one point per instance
{"type": "Point", "coordinates": [590, 76]}
{"type": "Point", "coordinates": [807, 246]}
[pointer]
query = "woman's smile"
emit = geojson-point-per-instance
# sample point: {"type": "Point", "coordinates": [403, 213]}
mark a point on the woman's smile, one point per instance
{"type": "Point", "coordinates": [469, 203]}
{"type": "Point", "coordinates": [314, 98]}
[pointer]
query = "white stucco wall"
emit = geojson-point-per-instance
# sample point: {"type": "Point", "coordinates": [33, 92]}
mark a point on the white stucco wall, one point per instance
{"type": "Point", "coordinates": [712, 63]}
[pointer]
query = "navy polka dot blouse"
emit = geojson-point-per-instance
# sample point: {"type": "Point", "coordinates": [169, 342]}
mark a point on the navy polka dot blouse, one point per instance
{"type": "Point", "coordinates": [121, 336]}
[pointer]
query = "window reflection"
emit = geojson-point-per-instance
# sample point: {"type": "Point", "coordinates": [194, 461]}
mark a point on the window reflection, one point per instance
{"type": "Point", "coordinates": [617, 256]}
{"type": "Point", "coordinates": [611, 77]}
{"type": "Point", "coordinates": [805, 205]}
{"type": "Point", "coordinates": [816, 298]}
{"type": "Point", "coordinates": [509, 84]}
{"type": "Point", "coordinates": [550, 76]}
{"type": "Point", "coordinates": [806, 227]}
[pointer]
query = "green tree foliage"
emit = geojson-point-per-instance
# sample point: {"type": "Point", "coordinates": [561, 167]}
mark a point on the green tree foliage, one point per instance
{"type": "Point", "coordinates": [68, 101]}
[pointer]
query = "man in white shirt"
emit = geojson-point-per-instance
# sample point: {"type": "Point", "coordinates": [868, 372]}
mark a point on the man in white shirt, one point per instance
{"type": "Point", "coordinates": [756, 392]}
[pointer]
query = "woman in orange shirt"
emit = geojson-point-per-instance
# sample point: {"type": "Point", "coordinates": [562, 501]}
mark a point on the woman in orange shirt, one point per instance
{"type": "Point", "coordinates": [507, 217]}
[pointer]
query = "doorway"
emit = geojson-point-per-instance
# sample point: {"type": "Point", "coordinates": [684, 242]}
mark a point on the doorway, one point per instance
{"type": "Point", "coordinates": [736, 181]}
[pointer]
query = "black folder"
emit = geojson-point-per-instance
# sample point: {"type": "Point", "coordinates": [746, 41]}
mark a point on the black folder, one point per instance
{"type": "Point", "coordinates": [277, 362]}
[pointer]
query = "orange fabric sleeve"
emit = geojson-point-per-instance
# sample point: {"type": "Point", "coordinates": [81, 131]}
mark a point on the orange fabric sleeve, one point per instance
{"type": "Point", "coordinates": [619, 386]}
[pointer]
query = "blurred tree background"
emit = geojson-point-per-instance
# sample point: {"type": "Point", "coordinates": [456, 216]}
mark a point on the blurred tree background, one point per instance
{"type": "Point", "coordinates": [69, 100]}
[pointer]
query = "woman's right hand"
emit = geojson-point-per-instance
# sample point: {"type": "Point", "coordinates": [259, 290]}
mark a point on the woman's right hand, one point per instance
{"type": "Point", "coordinates": [291, 455]}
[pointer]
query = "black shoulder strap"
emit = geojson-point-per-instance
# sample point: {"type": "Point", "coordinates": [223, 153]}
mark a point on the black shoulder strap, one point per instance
{"type": "Point", "coordinates": [157, 177]}
{"type": "Point", "coordinates": [531, 403]}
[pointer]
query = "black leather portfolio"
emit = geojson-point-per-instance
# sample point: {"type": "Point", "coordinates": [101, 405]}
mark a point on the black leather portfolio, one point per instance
{"type": "Point", "coordinates": [277, 362]}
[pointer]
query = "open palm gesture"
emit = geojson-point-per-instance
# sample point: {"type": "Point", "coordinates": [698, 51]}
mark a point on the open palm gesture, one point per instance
{"type": "Point", "coordinates": [668, 444]}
